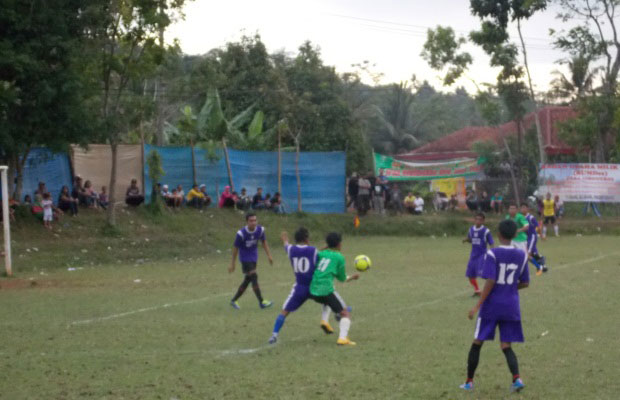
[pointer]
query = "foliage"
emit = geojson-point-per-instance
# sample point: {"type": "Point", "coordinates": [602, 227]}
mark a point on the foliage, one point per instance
{"type": "Point", "coordinates": [440, 51]}
{"type": "Point", "coordinates": [154, 164]}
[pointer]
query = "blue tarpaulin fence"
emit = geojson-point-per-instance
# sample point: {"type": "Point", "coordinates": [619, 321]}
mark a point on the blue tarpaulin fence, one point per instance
{"type": "Point", "coordinates": [322, 175]}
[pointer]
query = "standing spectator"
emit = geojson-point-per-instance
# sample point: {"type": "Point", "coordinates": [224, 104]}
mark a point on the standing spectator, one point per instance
{"type": "Point", "coordinates": [496, 202]}
{"type": "Point", "coordinates": [276, 203]}
{"type": "Point", "coordinates": [78, 190]}
{"type": "Point", "coordinates": [353, 190]}
{"type": "Point", "coordinates": [396, 200]}
{"type": "Point", "coordinates": [373, 180]}
{"type": "Point", "coordinates": [66, 202]}
{"type": "Point", "coordinates": [379, 196]}
{"type": "Point", "coordinates": [410, 202]}
{"type": "Point", "coordinates": [472, 201]}
{"type": "Point", "coordinates": [226, 199]}
{"type": "Point", "coordinates": [207, 198]}
{"type": "Point", "coordinates": [90, 196]}
{"type": "Point", "coordinates": [363, 196]}
{"type": "Point", "coordinates": [245, 202]}
{"type": "Point", "coordinates": [559, 207]}
{"type": "Point", "coordinates": [419, 204]}
{"type": "Point", "coordinates": [258, 203]}
{"type": "Point", "coordinates": [48, 210]}
{"type": "Point", "coordinates": [104, 200]}
{"type": "Point", "coordinates": [195, 198]}
{"type": "Point", "coordinates": [132, 195]}
{"type": "Point", "coordinates": [485, 202]}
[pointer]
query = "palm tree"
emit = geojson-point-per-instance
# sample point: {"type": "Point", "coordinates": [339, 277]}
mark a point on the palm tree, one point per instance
{"type": "Point", "coordinates": [395, 131]}
{"type": "Point", "coordinates": [578, 83]}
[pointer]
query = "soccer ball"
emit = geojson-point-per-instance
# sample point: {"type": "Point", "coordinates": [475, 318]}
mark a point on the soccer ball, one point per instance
{"type": "Point", "coordinates": [362, 263]}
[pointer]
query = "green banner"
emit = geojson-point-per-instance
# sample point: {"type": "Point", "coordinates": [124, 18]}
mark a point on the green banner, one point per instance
{"type": "Point", "coordinates": [396, 170]}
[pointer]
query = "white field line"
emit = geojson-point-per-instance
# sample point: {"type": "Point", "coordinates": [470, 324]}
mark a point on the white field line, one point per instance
{"type": "Point", "coordinates": [586, 261]}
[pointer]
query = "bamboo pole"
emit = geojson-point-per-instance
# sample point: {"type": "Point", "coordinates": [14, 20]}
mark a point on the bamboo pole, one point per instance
{"type": "Point", "coordinates": [230, 177]}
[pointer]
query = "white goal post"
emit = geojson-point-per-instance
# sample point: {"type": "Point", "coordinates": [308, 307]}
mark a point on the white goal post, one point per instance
{"type": "Point", "coordinates": [6, 219]}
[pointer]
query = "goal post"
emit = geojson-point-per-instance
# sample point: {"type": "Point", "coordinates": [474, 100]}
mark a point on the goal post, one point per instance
{"type": "Point", "coordinates": [6, 219]}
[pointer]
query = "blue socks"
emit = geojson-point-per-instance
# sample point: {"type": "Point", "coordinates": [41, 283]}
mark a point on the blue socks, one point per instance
{"type": "Point", "coordinates": [279, 323]}
{"type": "Point", "coordinates": [536, 263]}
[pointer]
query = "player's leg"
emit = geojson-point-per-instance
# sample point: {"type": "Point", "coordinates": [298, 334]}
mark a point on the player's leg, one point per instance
{"type": "Point", "coordinates": [297, 297]}
{"type": "Point", "coordinates": [485, 330]}
{"type": "Point", "coordinates": [556, 227]}
{"type": "Point", "coordinates": [471, 274]}
{"type": "Point", "coordinates": [510, 332]}
{"type": "Point", "coordinates": [544, 229]}
{"type": "Point", "coordinates": [327, 328]}
{"type": "Point", "coordinates": [338, 306]}
{"type": "Point", "coordinates": [256, 288]}
{"type": "Point", "coordinates": [244, 285]}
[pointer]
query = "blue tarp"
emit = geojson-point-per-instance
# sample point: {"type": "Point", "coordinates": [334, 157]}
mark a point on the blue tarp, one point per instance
{"type": "Point", "coordinates": [44, 166]}
{"type": "Point", "coordinates": [322, 175]}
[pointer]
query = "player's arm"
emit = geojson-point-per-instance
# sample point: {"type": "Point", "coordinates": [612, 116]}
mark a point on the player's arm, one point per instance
{"type": "Point", "coordinates": [235, 253]}
{"type": "Point", "coordinates": [467, 239]}
{"type": "Point", "coordinates": [523, 285]}
{"type": "Point", "coordinates": [486, 290]}
{"type": "Point", "coordinates": [284, 238]}
{"type": "Point", "coordinates": [267, 251]}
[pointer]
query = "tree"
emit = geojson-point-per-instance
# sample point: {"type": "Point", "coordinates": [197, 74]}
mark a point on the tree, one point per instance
{"type": "Point", "coordinates": [396, 127]}
{"type": "Point", "coordinates": [41, 90]}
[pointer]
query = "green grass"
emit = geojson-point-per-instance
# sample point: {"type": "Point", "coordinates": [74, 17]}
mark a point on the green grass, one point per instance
{"type": "Point", "coordinates": [409, 319]}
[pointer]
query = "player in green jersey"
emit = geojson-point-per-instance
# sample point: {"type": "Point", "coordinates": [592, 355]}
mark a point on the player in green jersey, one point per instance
{"type": "Point", "coordinates": [331, 265]}
{"type": "Point", "coordinates": [520, 241]}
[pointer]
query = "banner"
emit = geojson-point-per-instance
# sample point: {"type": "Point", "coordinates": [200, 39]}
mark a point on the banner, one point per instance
{"type": "Point", "coordinates": [581, 182]}
{"type": "Point", "coordinates": [395, 170]}
{"type": "Point", "coordinates": [450, 186]}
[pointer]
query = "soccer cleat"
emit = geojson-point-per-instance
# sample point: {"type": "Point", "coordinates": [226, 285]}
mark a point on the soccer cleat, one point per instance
{"type": "Point", "coordinates": [273, 339]}
{"type": "Point", "coordinates": [467, 386]}
{"type": "Point", "coordinates": [476, 294]}
{"type": "Point", "coordinates": [545, 269]}
{"type": "Point", "coordinates": [266, 304]}
{"type": "Point", "coordinates": [235, 305]}
{"type": "Point", "coordinates": [327, 328]}
{"type": "Point", "coordinates": [539, 272]}
{"type": "Point", "coordinates": [345, 342]}
{"type": "Point", "coordinates": [517, 385]}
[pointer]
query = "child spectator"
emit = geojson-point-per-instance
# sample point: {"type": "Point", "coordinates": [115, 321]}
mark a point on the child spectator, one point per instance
{"type": "Point", "coordinates": [90, 196]}
{"type": "Point", "coordinates": [276, 204]}
{"type": "Point", "coordinates": [27, 200]}
{"type": "Point", "coordinates": [103, 198]}
{"type": "Point", "coordinates": [133, 196]}
{"type": "Point", "coordinates": [268, 201]}
{"type": "Point", "coordinates": [48, 210]}
{"type": "Point", "coordinates": [66, 202]}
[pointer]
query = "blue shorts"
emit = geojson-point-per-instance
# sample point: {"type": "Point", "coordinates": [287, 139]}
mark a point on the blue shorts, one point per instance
{"type": "Point", "coordinates": [298, 296]}
{"type": "Point", "coordinates": [474, 266]}
{"type": "Point", "coordinates": [509, 331]}
{"type": "Point", "coordinates": [531, 245]}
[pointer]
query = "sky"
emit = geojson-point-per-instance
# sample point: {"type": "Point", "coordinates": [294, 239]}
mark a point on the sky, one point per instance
{"type": "Point", "coordinates": [388, 34]}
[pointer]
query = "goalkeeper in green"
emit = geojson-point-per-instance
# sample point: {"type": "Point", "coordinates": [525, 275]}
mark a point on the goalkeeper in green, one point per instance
{"type": "Point", "coordinates": [331, 264]}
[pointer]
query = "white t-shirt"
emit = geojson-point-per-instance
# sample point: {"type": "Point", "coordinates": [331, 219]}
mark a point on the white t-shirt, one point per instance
{"type": "Point", "coordinates": [419, 204]}
{"type": "Point", "coordinates": [48, 212]}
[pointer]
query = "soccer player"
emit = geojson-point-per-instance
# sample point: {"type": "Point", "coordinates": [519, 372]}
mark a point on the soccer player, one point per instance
{"type": "Point", "coordinates": [246, 246]}
{"type": "Point", "coordinates": [532, 240]}
{"type": "Point", "coordinates": [549, 216]}
{"type": "Point", "coordinates": [505, 271]}
{"type": "Point", "coordinates": [303, 260]}
{"type": "Point", "coordinates": [479, 236]}
{"type": "Point", "coordinates": [520, 240]}
{"type": "Point", "coordinates": [331, 265]}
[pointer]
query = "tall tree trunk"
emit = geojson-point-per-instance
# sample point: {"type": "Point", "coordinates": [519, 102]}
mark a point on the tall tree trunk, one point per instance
{"type": "Point", "coordinates": [539, 136]}
{"type": "Point", "coordinates": [112, 206]}
{"type": "Point", "coordinates": [299, 207]}
{"type": "Point", "coordinates": [19, 164]}
{"type": "Point", "coordinates": [515, 186]}
{"type": "Point", "coordinates": [191, 145]}
{"type": "Point", "coordinates": [230, 177]}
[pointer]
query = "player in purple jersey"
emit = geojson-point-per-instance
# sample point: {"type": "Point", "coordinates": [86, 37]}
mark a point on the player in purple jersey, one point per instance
{"type": "Point", "coordinates": [532, 241]}
{"type": "Point", "coordinates": [479, 236]}
{"type": "Point", "coordinates": [303, 260]}
{"type": "Point", "coordinates": [505, 270]}
{"type": "Point", "coordinates": [246, 246]}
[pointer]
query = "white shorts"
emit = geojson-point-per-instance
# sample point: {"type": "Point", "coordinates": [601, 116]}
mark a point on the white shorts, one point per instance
{"type": "Point", "coordinates": [48, 217]}
{"type": "Point", "coordinates": [520, 246]}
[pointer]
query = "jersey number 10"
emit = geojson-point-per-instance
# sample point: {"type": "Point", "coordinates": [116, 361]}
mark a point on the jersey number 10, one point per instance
{"type": "Point", "coordinates": [504, 269]}
{"type": "Point", "coordinates": [301, 265]}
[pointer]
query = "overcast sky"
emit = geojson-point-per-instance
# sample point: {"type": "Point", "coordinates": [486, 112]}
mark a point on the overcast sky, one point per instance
{"type": "Point", "coordinates": [388, 33]}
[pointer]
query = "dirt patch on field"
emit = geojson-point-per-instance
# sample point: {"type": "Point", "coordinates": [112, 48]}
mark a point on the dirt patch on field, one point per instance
{"type": "Point", "coordinates": [19, 283]}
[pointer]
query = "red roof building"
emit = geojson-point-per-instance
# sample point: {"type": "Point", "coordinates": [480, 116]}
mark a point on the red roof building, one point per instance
{"type": "Point", "coordinates": [459, 144]}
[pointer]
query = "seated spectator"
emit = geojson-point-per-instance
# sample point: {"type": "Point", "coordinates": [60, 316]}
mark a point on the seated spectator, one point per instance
{"type": "Point", "coordinates": [176, 200]}
{"type": "Point", "coordinates": [496, 202]}
{"type": "Point", "coordinates": [244, 202]}
{"type": "Point", "coordinates": [78, 190]}
{"type": "Point", "coordinates": [410, 202]}
{"type": "Point", "coordinates": [453, 203]}
{"type": "Point", "coordinates": [472, 201]}
{"type": "Point", "coordinates": [180, 195]}
{"type": "Point", "coordinates": [167, 196]}
{"type": "Point", "coordinates": [90, 196]}
{"type": "Point", "coordinates": [66, 202]}
{"type": "Point", "coordinates": [268, 201]}
{"type": "Point", "coordinates": [195, 198]}
{"type": "Point", "coordinates": [485, 202]}
{"type": "Point", "coordinates": [37, 206]}
{"type": "Point", "coordinates": [419, 204]}
{"type": "Point", "coordinates": [258, 203]}
{"type": "Point", "coordinates": [103, 199]}
{"type": "Point", "coordinates": [133, 196]}
{"type": "Point", "coordinates": [207, 199]}
{"type": "Point", "coordinates": [276, 204]}
{"type": "Point", "coordinates": [27, 200]}
{"type": "Point", "coordinates": [226, 199]}
{"type": "Point", "coordinates": [41, 189]}
{"type": "Point", "coordinates": [440, 201]}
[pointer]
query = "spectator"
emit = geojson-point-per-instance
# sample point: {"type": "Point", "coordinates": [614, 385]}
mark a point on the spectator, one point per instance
{"type": "Point", "coordinates": [66, 202]}
{"type": "Point", "coordinates": [27, 200]}
{"type": "Point", "coordinates": [133, 196]}
{"type": "Point", "coordinates": [276, 203]}
{"type": "Point", "coordinates": [410, 202]}
{"type": "Point", "coordinates": [268, 201]}
{"type": "Point", "coordinates": [90, 196]}
{"type": "Point", "coordinates": [103, 198]}
{"type": "Point", "coordinates": [48, 210]}
{"type": "Point", "coordinates": [485, 202]}
{"type": "Point", "coordinates": [78, 190]}
{"type": "Point", "coordinates": [258, 203]}
{"type": "Point", "coordinates": [453, 203]}
{"type": "Point", "coordinates": [195, 197]}
{"type": "Point", "coordinates": [207, 198]}
{"type": "Point", "coordinates": [378, 199]}
{"type": "Point", "coordinates": [419, 204]}
{"type": "Point", "coordinates": [226, 199]}
{"type": "Point", "coordinates": [180, 193]}
{"type": "Point", "coordinates": [176, 199]}
{"type": "Point", "coordinates": [472, 201]}
{"type": "Point", "coordinates": [496, 202]}
{"type": "Point", "coordinates": [167, 196]}
{"type": "Point", "coordinates": [395, 199]}
{"type": "Point", "coordinates": [363, 196]}
{"type": "Point", "coordinates": [41, 189]}
{"type": "Point", "coordinates": [37, 206]}
{"type": "Point", "coordinates": [559, 207]}
{"type": "Point", "coordinates": [373, 180]}
{"type": "Point", "coordinates": [440, 201]}
{"type": "Point", "coordinates": [244, 202]}
{"type": "Point", "coordinates": [353, 190]}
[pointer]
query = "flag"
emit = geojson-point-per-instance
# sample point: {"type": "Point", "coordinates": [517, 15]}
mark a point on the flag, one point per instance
{"type": "Point", "coordinates": [356, 221]}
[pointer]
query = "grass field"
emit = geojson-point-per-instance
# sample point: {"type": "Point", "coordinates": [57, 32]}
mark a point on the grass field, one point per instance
{"type": "Point", "coordinates": [97, 332]}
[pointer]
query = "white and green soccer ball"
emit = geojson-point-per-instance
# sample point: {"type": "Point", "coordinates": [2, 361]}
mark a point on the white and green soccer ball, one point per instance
{"type": "Point", "coordinates": [362, 263]}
